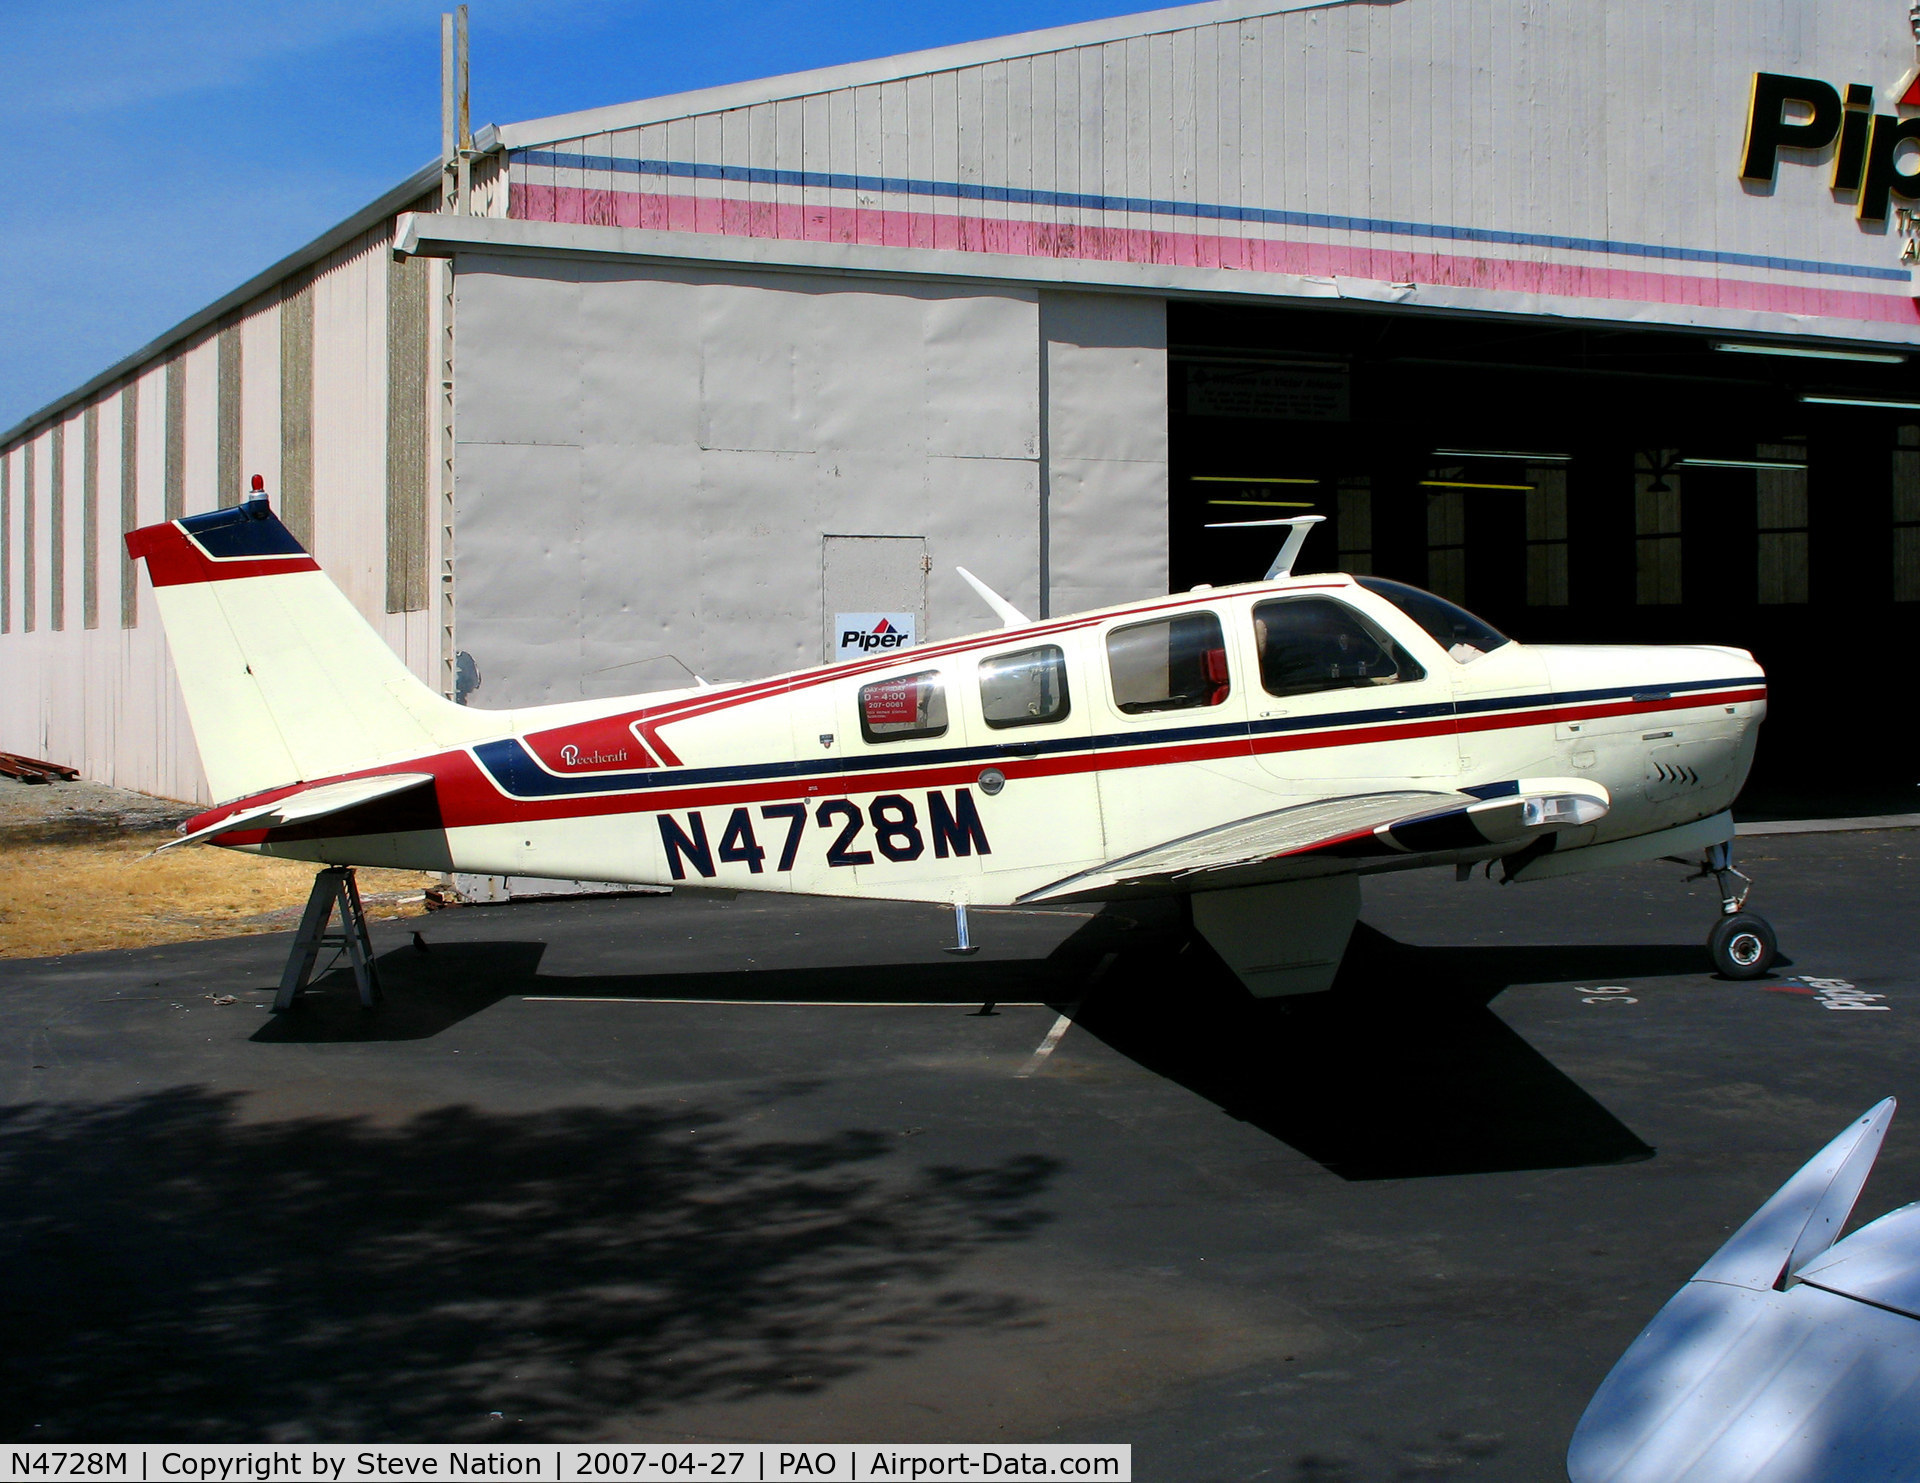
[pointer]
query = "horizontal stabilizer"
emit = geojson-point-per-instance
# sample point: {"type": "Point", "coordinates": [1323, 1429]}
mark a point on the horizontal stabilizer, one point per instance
{"type": "Point", "coordinates": [309, 803]}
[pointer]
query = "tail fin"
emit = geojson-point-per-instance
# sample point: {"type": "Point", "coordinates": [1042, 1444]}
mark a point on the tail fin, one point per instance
{"type": "Point", "coordinates": [284, 681]}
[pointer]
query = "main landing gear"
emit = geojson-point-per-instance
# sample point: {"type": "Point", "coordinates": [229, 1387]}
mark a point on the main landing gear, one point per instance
{"type": "Point", "coordinates": [1742, 944]}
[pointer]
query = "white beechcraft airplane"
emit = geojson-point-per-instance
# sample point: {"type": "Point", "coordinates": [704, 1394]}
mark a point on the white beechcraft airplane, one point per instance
{"type": "Point", "coordinates": [1256, 748]}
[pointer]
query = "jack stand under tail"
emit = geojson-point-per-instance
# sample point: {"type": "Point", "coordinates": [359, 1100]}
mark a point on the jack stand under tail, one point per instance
{"type": "Point", "coordinates": [333, 887]}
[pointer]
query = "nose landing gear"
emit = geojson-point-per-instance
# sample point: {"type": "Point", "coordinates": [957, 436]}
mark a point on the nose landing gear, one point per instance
{"type": "Point", "coordinates": [1742, 944]}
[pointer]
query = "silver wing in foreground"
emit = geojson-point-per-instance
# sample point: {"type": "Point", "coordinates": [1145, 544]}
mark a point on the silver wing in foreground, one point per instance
{"type": "Point", "coordinates": [1790, 1357]}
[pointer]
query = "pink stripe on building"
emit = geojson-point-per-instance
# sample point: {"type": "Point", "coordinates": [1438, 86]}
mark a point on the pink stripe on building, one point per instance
{"type": "Point", "coordinates": [869, 226]}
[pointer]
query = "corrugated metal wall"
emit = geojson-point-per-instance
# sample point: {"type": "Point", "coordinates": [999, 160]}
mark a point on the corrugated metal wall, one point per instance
{"type": "Point", "coordinates": [1551, 153]}
{"type": "Point", "coordinates": [294, 386]}
{"type": "Point", "coordinates": [127, 456]}
{"type": "Point", "coordinates": [6, 545]}
{"type": "Point", "coordinates": [296, 409]}
{"type": "Point", "coordinates": [90, 517]}
{"type": "Point", "coordinates": [408, 432]}
{"type": "Point", "coordinates": [57, 528]}
{"type": "Point", "coordinates": [227, 414]}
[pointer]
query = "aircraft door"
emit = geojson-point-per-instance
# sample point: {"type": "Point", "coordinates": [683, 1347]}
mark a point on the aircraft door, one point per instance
{"type": "Point", "coordinates": [893, 819]}
{"type": "Point", "coordinates": [1340, 705]}
{"type": "Point", "coordinates": [1031, 719]}
{"type": "Point", "coordinates": [1172, 746]}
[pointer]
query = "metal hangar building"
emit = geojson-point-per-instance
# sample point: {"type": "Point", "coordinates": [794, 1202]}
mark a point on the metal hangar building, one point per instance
{"type": "Point", "coordinates": [1597, 318]}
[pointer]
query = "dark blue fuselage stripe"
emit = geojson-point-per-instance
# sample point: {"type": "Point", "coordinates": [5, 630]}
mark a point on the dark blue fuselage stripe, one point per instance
{"type": "Point", "coordinates": [900, 185]}
{"type": "Point", "coordinates": [513, 768]}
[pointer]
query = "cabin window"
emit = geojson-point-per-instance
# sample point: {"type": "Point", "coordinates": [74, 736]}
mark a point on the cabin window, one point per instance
{"type": "Point", "coordinates": [1463, 636]}
{"type": "Point", "coordinates": [1171, 664]}
{"type": "Point", "coordinates": [902, 707]}
{"type": "Point", "coordinates": [1308, 644]}
{"type": "Point", "coordinates": [1024, 688]}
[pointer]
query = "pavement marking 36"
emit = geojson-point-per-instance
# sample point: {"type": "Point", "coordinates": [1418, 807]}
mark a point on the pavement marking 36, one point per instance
{"type": "Point", "coordinates": [1607, 994]}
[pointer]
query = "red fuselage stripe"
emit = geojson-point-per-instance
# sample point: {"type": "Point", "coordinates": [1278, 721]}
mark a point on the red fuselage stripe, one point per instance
{"type": "Point", "coordinates": [469, 799]}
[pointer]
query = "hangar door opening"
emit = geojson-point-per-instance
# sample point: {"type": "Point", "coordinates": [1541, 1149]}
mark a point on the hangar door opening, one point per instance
{"type": "Point", "coordinates": [1579, 485]}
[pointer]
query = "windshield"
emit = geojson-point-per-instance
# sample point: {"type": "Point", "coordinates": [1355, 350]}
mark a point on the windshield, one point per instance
{"type": "Point", "coordinates": [1463, 636]}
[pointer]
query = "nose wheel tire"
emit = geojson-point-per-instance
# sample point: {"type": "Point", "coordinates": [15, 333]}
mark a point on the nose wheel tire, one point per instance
{"type": "Point", "coordinates": [1742, 945]}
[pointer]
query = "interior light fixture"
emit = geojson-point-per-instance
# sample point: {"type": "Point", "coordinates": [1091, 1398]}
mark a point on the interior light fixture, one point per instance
{"type": "Point", "coordinates": [1492, 453]}
{"type": "Point", "coordinates": [1236, 479]}
{"type": "Point", "coordinates": [1463, 484]}
{"type": "Point", "coordinates": [1740, 463]}
{"type": "Point", "coordinates": [1808, 352]}
{"type": "Point", "coordinates": [1267, 504]}
{"type": "Point", "coordinates": [1883, 404]}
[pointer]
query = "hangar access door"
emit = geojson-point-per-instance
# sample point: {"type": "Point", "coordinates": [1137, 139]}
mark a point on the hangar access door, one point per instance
{"type": "Point", "coordinates": [868, 585]}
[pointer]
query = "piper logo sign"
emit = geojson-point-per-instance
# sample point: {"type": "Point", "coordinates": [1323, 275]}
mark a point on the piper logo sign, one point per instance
{"type": "Point", "coordinates": [871, 633]}
{"type": "Point", "coordinates": [1802, 113]}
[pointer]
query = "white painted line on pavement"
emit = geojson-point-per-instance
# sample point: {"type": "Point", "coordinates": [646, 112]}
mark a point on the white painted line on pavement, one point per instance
{"type": "Point", "coordinates": [1039, 1057]}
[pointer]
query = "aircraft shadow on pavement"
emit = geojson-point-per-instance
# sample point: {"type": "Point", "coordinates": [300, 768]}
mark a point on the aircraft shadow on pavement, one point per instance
{"type": "Point", "coordinates": [1402, 1070]}
{"type": "Point", "coordinates": [425, 992]}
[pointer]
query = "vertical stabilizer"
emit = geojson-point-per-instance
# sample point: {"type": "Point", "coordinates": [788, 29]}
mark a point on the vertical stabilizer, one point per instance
{"type": "Point", "coordinates": [284, 681]}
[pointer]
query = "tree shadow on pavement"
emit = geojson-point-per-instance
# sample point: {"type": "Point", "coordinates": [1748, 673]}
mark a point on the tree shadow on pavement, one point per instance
{"type": "Point", "coordinates": [173, 1272]}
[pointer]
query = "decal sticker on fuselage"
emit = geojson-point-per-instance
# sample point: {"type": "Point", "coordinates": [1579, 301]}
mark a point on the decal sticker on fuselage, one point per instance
{"type": "Point", "coordinates": [901, 831]}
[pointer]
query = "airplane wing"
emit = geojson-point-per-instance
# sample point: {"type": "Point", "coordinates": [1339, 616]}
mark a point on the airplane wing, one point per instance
{"type": "Point", "coordinates": [1352, 827]}
{"type": "Point", "coordinates": [308, 803]}
{"type": "Point", "coordinates": [1790, 1357]}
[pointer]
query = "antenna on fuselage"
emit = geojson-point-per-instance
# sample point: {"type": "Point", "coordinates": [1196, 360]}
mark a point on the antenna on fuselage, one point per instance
{"type": "Point", "coordinates": [1006, 612]}
{"type": "Point", "coordinates": [1290, 548]}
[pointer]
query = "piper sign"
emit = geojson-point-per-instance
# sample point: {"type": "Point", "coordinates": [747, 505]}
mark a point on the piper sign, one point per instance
{"type": "Point", "coordinates": [871, 633]}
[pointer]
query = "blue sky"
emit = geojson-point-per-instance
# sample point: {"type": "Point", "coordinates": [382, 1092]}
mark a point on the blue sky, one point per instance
{"type": "Point", "coordinates": [164, 151]}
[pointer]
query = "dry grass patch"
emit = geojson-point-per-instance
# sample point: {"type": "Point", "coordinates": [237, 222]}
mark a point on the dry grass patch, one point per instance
{"type": "Point", "coordinates": [70, 896]}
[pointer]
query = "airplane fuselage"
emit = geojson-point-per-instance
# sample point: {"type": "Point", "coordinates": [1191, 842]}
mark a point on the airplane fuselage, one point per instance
{"type": "Point", "coordinates": [1013, 764]}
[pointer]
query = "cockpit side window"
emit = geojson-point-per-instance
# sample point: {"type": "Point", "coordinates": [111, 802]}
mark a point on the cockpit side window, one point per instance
{"type": "Point", "coordinates": [1309, 644]}
{"type": "Point", "coordinates": [903, 707]}
{"type": "Point", "coordinates": [1463, 636]}
{"type": "Point", "coordinates": [1170, 664]}
{"type": "Point", "coordinates": [1024, 688]}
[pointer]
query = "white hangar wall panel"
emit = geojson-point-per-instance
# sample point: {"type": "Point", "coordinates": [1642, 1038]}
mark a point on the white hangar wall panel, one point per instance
{"type": "Point", "coordinates": [1525, 156]}
{"type": "Point", "coordinates": [650, 460]}
{"type": "Point", "coordinates": [1106, 392]}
